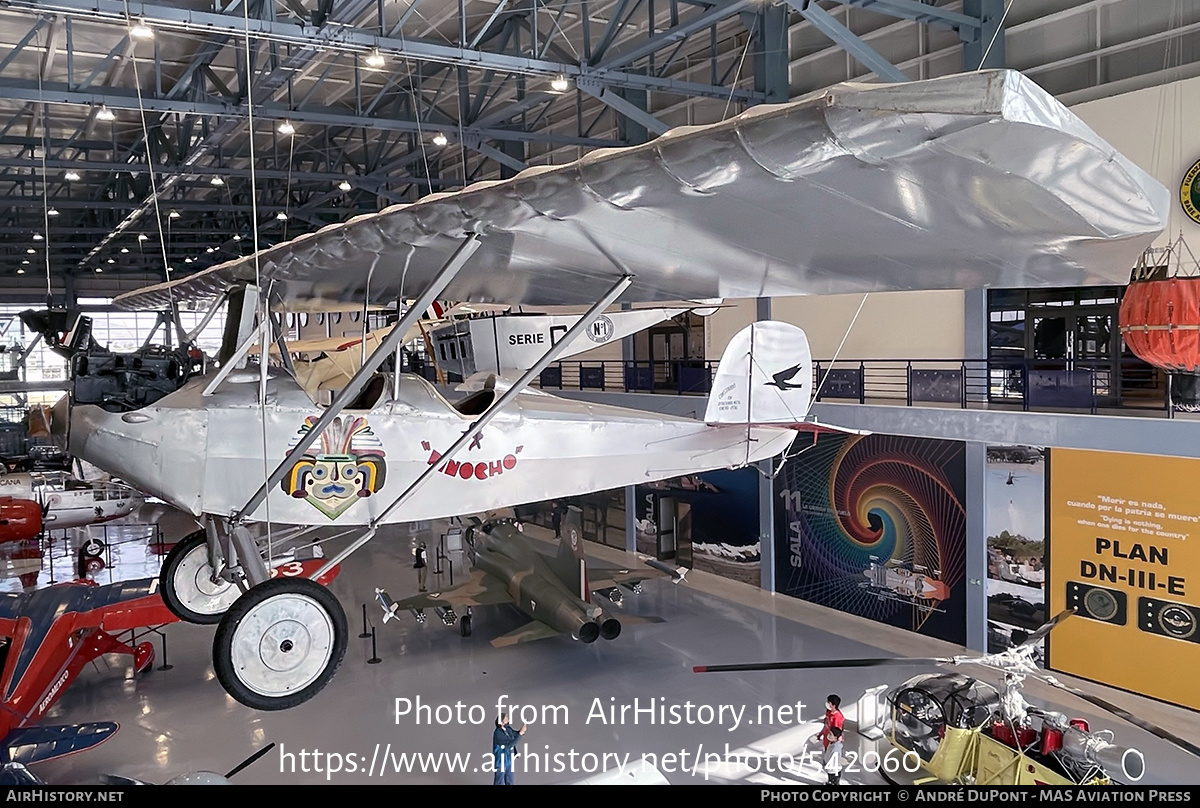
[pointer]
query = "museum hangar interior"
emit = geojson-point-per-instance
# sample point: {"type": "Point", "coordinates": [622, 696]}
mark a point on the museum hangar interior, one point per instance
{"type": "Point", "coordinates": [512, 263]}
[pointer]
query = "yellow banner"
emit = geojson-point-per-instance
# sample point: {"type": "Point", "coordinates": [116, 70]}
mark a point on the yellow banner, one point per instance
{"type": "Point", "coordinates": [1125, 553]}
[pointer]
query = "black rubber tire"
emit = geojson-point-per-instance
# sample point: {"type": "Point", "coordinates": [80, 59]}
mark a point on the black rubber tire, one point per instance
{"type": "Point", "coordinates": [223, 663]}
{"type": "Point", "coordinates": [166, 585]}
{"type": "Point", "coordinates": [464, 625]}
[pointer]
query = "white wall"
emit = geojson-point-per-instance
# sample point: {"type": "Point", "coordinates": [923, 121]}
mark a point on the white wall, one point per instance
{"type": "Point", "coordinates": [1158, 129]}
{"type": "Point", "coordinates": [891, 325]}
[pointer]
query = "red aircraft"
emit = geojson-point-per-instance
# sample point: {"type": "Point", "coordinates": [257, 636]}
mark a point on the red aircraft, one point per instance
{"type": "Point", "coordinates": [20, 519]}
{"type": "Point", "coordinates": [48, 635]}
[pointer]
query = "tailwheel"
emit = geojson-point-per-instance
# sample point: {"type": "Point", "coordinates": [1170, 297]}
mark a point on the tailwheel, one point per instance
{"type": "Point", "coordinates": [280, 643]}
{"type": "Point", "coordinates": [187, 586]}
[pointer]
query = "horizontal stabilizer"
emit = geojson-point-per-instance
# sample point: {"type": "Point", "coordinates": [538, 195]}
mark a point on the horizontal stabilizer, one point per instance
{"type": "Point", "coordinates": [38, 744]}
{"type": "Point", "coordinates": [534, 630]}
{"type": "Point", "coordinates": [639, 619]}
{"type": "Point", "coordinates": [765, 377]}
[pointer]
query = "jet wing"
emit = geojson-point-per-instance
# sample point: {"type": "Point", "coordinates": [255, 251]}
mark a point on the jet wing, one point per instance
{"type": "Point", "coordinates": [480, 589]}
{"type": "Point", "coordinates": [602, 577]}
{"type": "Point", "coordinates": [975, 180]}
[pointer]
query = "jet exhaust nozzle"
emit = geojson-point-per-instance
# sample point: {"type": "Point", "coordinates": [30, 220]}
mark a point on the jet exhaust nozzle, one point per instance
{"type": "Point", "coordinates": [589, 632]}
{"type": "Point", "coordinates": [610, 629]}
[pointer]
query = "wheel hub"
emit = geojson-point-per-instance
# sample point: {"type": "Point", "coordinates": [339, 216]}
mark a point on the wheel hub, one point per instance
{"type": "Point", "coordinates": [282, 645]}
{"type": "Point", "coordinates": [196, 588]}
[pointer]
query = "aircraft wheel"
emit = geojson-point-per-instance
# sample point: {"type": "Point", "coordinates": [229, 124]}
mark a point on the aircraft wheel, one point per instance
{"type": "Point", "coordinates": [280, 643]}
{"type": "Point", "coordinates": [464, 625]}
{"type": "Point", "coordinates": [186, 583]}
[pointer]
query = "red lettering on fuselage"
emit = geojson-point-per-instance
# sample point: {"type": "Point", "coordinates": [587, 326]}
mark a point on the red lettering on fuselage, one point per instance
{"type": "Point", "coordinates": [483, 470]}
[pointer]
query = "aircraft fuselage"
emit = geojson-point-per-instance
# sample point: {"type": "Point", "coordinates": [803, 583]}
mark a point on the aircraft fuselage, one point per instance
{"type": "Point", "coordinates": [535, 588]}
{"type": "Point", "coordinates": [205, 454]}
{"type": "Point", "coordinates": [68, 502]}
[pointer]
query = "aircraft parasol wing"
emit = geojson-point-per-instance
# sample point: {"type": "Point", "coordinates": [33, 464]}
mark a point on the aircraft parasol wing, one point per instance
{"type": "Point", "coordinates": [981, 179]}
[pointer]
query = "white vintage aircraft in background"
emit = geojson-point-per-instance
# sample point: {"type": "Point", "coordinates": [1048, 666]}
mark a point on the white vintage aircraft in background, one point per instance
{"type": "Point", "coordinates": [70, 502]}
{"type": "Point", "coordinates": [959, 182]}
{"type": "Point", "coordinates": [507, 344]}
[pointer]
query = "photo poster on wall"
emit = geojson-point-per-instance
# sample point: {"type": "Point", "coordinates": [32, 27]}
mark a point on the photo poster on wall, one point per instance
{"type": "Point", "coordinates": [874, 525]}
{"type": "Point", "coordinates": [1015, 524]}
{"type": "Point", "coordinates": [1125, 554]}
{"type": "Point", "coordinates": [722, 524]}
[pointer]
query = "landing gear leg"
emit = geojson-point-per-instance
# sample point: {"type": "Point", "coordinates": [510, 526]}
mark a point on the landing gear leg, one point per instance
{"type": "Point", "coordinates": [187, 584]}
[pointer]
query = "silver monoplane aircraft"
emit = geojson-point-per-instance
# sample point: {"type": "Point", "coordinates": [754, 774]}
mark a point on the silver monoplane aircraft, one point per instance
{"type": "Point", "coordinates": [959, 182]}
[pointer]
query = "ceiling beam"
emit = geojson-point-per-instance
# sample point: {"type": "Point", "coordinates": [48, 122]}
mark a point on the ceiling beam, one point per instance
{"type": "Point", "coordinates": [361, 41]}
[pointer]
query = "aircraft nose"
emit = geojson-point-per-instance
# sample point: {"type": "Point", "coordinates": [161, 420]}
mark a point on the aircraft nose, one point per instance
{"type": "Point", "coordinates": [610, 629]}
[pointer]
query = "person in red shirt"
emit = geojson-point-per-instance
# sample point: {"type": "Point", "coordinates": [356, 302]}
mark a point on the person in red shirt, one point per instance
{"type": "Point", "coordinates": [833, 718]}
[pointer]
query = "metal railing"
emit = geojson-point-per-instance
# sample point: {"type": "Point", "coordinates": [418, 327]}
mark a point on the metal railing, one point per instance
{"type": "Point", "coordinates": [1031, 384]}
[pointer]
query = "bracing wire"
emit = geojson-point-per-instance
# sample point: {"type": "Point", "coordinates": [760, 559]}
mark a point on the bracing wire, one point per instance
{"type": "Point", "coordinates": [838, 352]}
{"type": "Point", "coordinates": [737, 75]}
{"type": "Point", "coordinates": [39, 112]}
{"type": "Point", "coordinates": [162, 238]}
{"type": "Point", "coordinates": [995, 36]}
{"type": "Point", "coordinates": [264, 313]}
{"type": "Point", "coordinates": [287, 191]}
{"type": "Point", "coordinates": [417, 114]}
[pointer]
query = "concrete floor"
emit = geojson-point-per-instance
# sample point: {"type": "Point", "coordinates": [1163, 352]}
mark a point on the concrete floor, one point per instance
{"type": "Point", "coordinates": [181, 720]}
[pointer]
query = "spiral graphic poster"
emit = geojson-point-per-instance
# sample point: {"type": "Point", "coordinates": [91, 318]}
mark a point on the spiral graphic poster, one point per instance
{"type": "Point", "coordinates": [875, 525]}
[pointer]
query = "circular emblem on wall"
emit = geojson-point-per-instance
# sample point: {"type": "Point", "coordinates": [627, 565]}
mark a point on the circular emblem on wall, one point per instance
{"type": "Point", "coordinates": [601, 330]}
{"type": "Point", "coordinates": [1176, 621]}
{"type": "Point", "coordinates": [1101, 604]}
{"type": "Point", "coordinates": [1189, 192]}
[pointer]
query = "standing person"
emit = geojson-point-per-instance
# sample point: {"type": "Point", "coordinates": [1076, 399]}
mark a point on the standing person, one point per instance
{"type": "Point", "coordinates": [420, 566]}
{"type": "Point", "coordinates": [833, 718]}
{"type": "Point", "coordinates": [504, 746]}
{"type": "Point", "coordinates": [833, 756]}
{"type": "Point", "coordinates": [556, 514]}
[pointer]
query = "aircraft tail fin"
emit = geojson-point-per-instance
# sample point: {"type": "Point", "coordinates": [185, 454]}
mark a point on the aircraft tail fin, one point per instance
{"type": "Point", "coordinates": [570, 565]}
{"type": "Point", "coordinates": [38, 744]}
{"type": "Point", "coordinates": [765, 377]}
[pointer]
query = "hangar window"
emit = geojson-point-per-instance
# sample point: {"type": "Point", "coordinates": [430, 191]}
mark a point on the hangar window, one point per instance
{"type": "Point", "coordinates": [1046, 343]}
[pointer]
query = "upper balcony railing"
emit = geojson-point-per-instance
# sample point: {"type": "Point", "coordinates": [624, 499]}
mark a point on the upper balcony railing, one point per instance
{"type": "Point", "coordinates": [1031, 384]}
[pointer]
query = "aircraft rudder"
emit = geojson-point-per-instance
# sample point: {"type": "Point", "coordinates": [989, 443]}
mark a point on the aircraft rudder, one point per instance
{"type": "Point", "coordinates": [570, 564]}
{"type": "Point", "coordinates": [765, 376]}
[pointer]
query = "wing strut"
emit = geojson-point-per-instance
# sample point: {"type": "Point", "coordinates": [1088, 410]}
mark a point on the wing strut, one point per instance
{"type": "Point", "coordinates": [584, 322]}
{"type": "Point", "coordinates": [447, 274]}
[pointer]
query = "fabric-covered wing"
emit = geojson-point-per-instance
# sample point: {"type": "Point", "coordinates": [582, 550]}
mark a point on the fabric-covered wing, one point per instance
{"type": "Point", "coordinates": [981, 179]}
{"type": "Point", "coordinates": [480, 589]}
